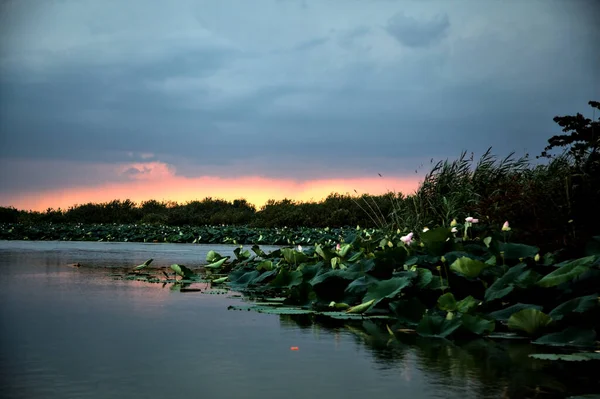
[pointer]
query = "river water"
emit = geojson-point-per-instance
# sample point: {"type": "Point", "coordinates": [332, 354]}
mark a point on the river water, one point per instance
{"type": "Point", "coordinates": [69, 332]}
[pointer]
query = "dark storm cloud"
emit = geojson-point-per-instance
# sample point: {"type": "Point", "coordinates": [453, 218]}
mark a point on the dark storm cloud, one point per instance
{"type": "Point", "coordinates": [234, 91]}
{"type": "Point", "coordinates": [418, 33]}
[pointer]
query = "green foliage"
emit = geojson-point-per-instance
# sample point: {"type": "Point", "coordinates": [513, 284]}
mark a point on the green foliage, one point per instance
{"type": "Point", "coordinates": [531, 321]}
{"type": "Point", "coordinates": [373, 278]}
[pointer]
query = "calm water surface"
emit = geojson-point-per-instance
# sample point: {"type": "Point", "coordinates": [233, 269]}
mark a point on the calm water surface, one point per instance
{"type": "Point", "coordinates": [76, 333]}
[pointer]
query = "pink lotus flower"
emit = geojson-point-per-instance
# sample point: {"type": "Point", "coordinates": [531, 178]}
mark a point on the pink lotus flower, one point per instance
{"type": "Point", "coordinates": [471, 220]}
{"type": "Point", "coordinates": [300, 248]}
{"type": "Point", "coordinates": [337, 247]}
{"type": "Point", "coordinates": [505, 226]}
{"type": "Point", "coordinates": [454, 230]}
{"type": "Point", "coordinates": [407, 239]}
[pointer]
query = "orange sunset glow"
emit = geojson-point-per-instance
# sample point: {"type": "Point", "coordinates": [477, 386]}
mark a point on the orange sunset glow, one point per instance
{"type": "Point", "coordinates": [156, 180]}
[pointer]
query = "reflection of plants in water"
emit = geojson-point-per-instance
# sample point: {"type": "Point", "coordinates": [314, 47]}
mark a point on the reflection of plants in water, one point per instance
{"type": "Point", "coordinates": [485, 367]}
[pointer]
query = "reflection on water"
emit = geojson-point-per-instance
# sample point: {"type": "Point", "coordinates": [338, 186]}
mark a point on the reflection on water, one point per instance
{"type": "Point", "coordinates": [476, 368]}
{"type": "Point", "coordinates": [77, 333]}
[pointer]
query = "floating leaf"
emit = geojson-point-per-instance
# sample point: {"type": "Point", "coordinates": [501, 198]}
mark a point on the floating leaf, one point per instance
{"type": "Point", "coordinates": [529, 320]}
{"type": "Point", "coordinates": [468, 267]}
{"type": "Point", "coordinates": [572, 336]}
{"type": "Point", "coordinates": [579, 305]}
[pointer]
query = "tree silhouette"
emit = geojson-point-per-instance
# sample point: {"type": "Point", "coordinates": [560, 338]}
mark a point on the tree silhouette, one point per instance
{"type": "Point", "coordinates": [583, 137]}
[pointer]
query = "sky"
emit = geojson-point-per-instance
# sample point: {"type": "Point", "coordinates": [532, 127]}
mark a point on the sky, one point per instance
{"type": "Point", "coordinates": [273, 99]}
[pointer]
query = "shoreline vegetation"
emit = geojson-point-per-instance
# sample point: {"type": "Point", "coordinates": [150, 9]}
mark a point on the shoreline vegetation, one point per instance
{"type": "Point", "coordinates": [552, 205]}
{"type": "Point", "coordinates": [503, 249]}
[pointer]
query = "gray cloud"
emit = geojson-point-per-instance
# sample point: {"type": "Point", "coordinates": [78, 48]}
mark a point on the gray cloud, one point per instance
{"type": "Point", "coordinates": [414, 33]}
{"type": "Point", "coordinates": [235, 91]}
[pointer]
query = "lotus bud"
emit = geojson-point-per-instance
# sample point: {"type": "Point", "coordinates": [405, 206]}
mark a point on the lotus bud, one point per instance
{"type": "Point", "coordinates": [337, 247]}
{"type": "Point", "coordinates": [505, 226]}
{"type": "Point", "coordinates": [453, 223]}
{"type": "Point", "coordinates": [300, 248]}
{"type": "Point", "coordinates": [443, 259]}
{"type": "Point", "coordinates": [537, 258]}
{"type": "Point", "coordinates": [454, 230]}
{"type": "Point", "coordinates": [425, 229]}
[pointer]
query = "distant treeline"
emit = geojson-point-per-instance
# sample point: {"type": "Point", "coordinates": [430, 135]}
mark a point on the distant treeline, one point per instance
{"type": "Point", "coordinates": [549, 205]}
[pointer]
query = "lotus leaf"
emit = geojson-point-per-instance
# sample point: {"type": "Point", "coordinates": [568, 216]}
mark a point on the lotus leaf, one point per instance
{"type": "Point", "coordinates": [572, 336]}
{"type": "Point", "coordinates": [504, 314]}
{"type": "Point", "coordinates": [567, 272]}
{"type": "Point", "coordinates": [468, 267]}
{"type": "Point", "coordinates": [437, 326]}
{"type": "Point", "coordinates": [529, 320]}
{"type": "Point", "coordinates": [579, 305]}
{"type": "Point", "coordinates": [385, 289]}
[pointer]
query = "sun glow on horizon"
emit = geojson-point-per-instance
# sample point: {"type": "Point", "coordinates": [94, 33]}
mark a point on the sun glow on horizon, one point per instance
{"type": "Point", "coordinates": [157, 181]}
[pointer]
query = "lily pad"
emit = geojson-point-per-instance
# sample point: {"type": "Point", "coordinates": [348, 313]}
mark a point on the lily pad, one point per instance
{"type": "Point", "coordinates": [572, 336]}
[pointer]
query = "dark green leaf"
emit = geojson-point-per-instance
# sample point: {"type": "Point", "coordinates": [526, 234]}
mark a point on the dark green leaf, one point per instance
{"type": "Point", "coordinates": [504, 314]}
{"type": "Point", "coordinates": [567, 272]}
{"type": "Point", "coordinates": [578, 305]}
{"type": "Point", "coordinates": [468, 267]}
{"type": "Point", "coordinates": [386, 289]}
{"type": "Point", "coordinates": [572, 336]}
{"type": "Point", "coordinates": [476, 324]}
{"type": "Point", "coordinates": [505, 284]}
{"type": "Point", "coordinates": [437, 326]}
{"type": "Point", "coordinates": [529, 320]}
